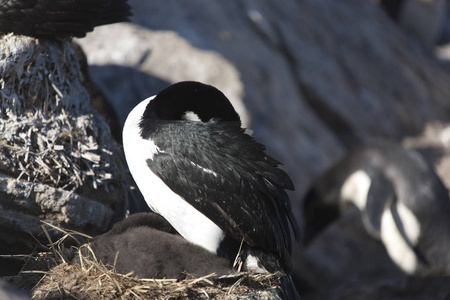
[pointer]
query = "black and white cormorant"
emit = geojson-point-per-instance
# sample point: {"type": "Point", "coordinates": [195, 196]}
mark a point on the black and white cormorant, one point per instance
{"type": "Point", "coordinates": [197, 167]}
{"type": "Point", "coordinates": [402, 202]}
{"type": "Point", "coordinates": [59, 18]}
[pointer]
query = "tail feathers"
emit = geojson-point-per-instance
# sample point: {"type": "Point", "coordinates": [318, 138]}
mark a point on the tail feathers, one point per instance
{"type": "Point", "coordinates": [288, 289]}
{"type": "Point", "coordinates": [259, 261]}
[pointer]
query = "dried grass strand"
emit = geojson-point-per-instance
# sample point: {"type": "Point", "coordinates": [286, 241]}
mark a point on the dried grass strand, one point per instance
{"type": "Point", "coordinates": [85, 277]}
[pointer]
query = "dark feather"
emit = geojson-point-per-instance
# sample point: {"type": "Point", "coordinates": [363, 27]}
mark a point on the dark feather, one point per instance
{"type": "Point", "coordinates": [59, 18]}
{"type": "Point", "coordinates": [227, 176]}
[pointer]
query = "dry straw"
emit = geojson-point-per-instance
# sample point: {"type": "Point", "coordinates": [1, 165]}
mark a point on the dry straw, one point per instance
{"type": "Point", "coordinates": [84, 277]}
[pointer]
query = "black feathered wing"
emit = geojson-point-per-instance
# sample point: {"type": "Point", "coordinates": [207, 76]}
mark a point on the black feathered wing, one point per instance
{"type": "Point", "coordinates": [60, 18]}
{"type": "Point", "coordinates": [227, 176]}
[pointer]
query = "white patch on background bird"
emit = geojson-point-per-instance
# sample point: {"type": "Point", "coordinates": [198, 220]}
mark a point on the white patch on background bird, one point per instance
{"type": "Point", "coordinates": [410, 223]}
{"type": "Point", "coordinates": [356, 188]}
{"type": "Point", "coordinates": [188, 221]}
{"type": "Point", "coordinates": [396, 246]}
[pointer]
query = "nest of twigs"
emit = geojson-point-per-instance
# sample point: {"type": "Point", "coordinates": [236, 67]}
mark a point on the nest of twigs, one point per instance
{"type": "Point", "coordinates": [90, 279]}
{"type": "Point", "coordinates": [76, 273]}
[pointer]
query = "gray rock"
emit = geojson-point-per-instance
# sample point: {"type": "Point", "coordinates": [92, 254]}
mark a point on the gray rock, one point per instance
{"type": "Point", "coordinates": [7, 292]}
{"type": "Point", "coordinates": [58, 162]}
{"type": "Point", "coordinates": [146, 65]}
{"type": "Point", "coordinates": [24, 205]}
